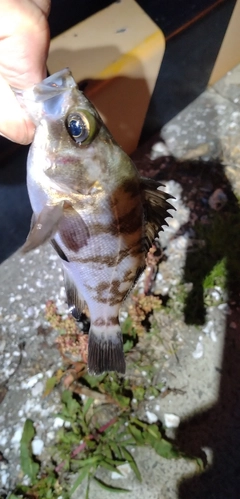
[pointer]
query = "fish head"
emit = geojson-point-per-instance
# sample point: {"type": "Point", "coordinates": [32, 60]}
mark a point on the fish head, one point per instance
{"type": "Point", "coordinates": [69, 132]}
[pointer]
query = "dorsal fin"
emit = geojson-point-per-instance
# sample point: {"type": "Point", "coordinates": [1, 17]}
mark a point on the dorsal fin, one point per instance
{"type": "Point", "coordinates": [156, 208]}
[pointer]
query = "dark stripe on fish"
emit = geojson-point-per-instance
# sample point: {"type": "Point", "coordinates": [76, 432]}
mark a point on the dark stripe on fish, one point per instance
{"type": "Point", "coordinates": [111, 261]}
{"type": "Point", "coordinates": [114, 295]}
{"type": "Point", "coordinates": [72, 229]}
{"type": "Point", "coordinates": [125, 224]}
{"type": "Point", "coordinates": [131, 186]}
{"type": "Point", "coordinates": [111, 321]}
{"type": "Point", "coordinates": [131, 221]}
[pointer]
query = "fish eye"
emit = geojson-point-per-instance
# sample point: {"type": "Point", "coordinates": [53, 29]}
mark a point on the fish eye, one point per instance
{"type": "Point", "coordinates": [78, 127]}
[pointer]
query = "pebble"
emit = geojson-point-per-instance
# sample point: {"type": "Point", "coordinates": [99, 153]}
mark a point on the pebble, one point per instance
{"type": "Point", "coordinates": [37, 446]}
{"type": "Point", "coordinates": [213, 336]}
{"type": "Point", "coordinates": [171, 420]}
{"type": "Point", "coordinates": [31, 381]}
{"type": "Point", "coordinates": [208, 328]}
{"type": "Point", "coordinates": [50, 435]}
{"type": "Point", "coordinates": [152, 418]}
{"type": "Point", "coordinates": [3, 440]}
{"type": "Point", "coordinates": [17, 435]}
{"type": "Point", "coordinates": [4, 477]}
{"type": "Point", "coordinates": [198, 352]}
{"type": "Point", "coordinates": [58, 423]}
{"type": "Point", "coordinates": [38, 389]}
{"type": "Point", "coordinates": [124, 471]}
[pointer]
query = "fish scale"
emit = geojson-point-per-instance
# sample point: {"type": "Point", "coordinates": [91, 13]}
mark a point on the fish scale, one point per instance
{"type": "Point", "coordinates": [90, 202]}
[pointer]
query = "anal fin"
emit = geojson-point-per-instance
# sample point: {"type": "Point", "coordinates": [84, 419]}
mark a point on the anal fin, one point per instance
{"type": "Point", "coordinates": [105, 353]}
{"type": "Point", "coordinates": [75, 301]}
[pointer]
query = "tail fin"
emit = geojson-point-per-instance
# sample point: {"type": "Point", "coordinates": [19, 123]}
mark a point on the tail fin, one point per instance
{"type": "Point", "coordinates": [105, 352]}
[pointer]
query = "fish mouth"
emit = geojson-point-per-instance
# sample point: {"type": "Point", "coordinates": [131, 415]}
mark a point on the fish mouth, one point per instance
{"type": "Point", "coordinates": [45, 97]}
{"type": "Point", "coordinates": [50, 87]}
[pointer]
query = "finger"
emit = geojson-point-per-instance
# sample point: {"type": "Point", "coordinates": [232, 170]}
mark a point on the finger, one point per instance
{"type": "Point", "coordinates": [44, 5]}
{"type": "Point", "coordinates": [14, 125]}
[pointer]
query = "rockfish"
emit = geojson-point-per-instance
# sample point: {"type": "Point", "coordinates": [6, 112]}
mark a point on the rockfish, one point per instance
{"type": "Point", "coordinates": [90, 202]}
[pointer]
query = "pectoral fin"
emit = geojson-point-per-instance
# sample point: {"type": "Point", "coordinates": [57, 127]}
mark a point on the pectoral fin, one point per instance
{"type": "Point", "coordinates": [156, 208]}
{"type": "Point", "coordinates": [43, 227]}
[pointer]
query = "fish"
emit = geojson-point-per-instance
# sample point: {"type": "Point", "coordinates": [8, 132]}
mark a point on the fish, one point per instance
{"type": "Point", "coordinates": [90, 202]}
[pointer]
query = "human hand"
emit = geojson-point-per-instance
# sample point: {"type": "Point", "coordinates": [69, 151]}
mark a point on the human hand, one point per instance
{"type": "Point", "coordinates": [24, 44]}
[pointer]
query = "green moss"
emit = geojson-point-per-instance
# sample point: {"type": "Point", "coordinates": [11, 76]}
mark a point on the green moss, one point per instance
{"type": "Point", "coordinates": [217, 276]}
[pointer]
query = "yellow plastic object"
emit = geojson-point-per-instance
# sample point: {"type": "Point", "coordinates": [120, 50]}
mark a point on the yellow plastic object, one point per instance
{"type": "Point", "coordinates": [119, 51]}
{"type": "Point", "coordinates": [229, 54]}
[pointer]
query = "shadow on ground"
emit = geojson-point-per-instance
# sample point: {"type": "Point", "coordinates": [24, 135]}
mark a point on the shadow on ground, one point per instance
{"type": "Point", "coordinates": [212, 258]}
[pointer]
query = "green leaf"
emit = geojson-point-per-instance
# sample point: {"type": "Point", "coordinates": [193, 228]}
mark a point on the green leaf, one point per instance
{"type": "Point", "coordinates": [139, 423]}
{"type": "Point", "coordinates": [107, 451]}
{"type": "Point", "coordinates": [129, 458]}
{"type": "Point", "coordinates": [12, 496]}
{"type": "Point", "coordinates": [80, 478]}
{"type": "Point", "coordinates": [72, 406]}
{"type": "Point", "coordinates": [29, 467]}
{"type": "Point", "coordinates": [108, 466]}
{"type": "Point", "coordinates": [88, 488]}
{"type": "Point", "coordinates": [152, 391]}
{"type": "Point", "coordinates": [116, 451]}
{"type": "Point", "coordinates": [87, 406]}
{"type": "Point", "coordinates": [137, 434]}
{"type": "Point", "coordinates": [50, 384]}
{"type": "Point", "coordinates": [89, 461]}
{"type": "Point", "coordinates": [139, 392]}
{"type": "Point", "coordinates": [164, 448]}
{"type": "Point", "coordinates": [68, 437]}
{"type": "Point", "coordinates": [116, 462]}
{"type": "Point", "coordinates": [109, 487]}
{"type": "Point", "coordinates": [66, 396]}
{"type": "Point", "coordinates": [200, 463]}
{"type": "Point", "coordinates": [127, 328]}
{"type": "Point", "coordinates": [93, 381]}
{"type": "Point", "coordinates": [127, 346]}
{"type": "Point", "coordinates": [127, 441]}
{"type": "Point", "coordinates": [154, 431]}
{"type": "Point", "coordinates": [123, 401]}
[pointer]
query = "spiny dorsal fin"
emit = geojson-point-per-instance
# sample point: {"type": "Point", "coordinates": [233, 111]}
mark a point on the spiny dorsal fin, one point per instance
{"type": "Point", "coordinates": [156, 209]}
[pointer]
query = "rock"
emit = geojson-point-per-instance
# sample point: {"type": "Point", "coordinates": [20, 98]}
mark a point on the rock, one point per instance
{"type": "Point", "coordinates": [37, 446]}
{"type": "Point", "coordinates": [171, 420]}
{"type": "Point", "coordinates": [152, 418]}
{"type": "Point", "coordinates": [198, 352]}
{"type": "Point", "coordinates": [217, 200]}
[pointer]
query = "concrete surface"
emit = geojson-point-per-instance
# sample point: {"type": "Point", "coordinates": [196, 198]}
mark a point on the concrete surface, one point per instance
{"type": "Point", "coordinates": [204, 376]}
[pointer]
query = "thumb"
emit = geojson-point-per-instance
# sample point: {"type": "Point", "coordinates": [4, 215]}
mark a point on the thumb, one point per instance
{"type": "Point", "coordinates": [15, 124]}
